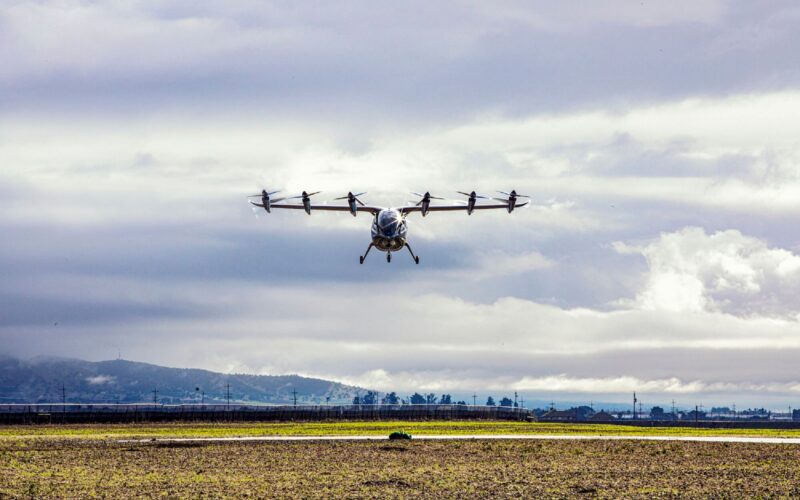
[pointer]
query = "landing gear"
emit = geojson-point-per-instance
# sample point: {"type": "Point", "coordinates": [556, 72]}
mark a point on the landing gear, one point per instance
{"type": "Point", "coordinates": [388, 256]}
{"type": "Point", "coordinates": [416, 259]}
{"type": "Point", "coordinates": [361, 259]}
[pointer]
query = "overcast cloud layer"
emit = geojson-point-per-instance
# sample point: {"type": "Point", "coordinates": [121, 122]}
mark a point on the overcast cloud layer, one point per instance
{"type": "Point", "coordinates": [660, 144]}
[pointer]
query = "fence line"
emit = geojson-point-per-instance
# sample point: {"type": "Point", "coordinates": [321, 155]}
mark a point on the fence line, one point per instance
{"type": "Point", "coordinates": [144, 412]}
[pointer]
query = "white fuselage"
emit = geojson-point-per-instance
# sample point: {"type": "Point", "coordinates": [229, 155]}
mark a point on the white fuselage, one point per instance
{"type": "Point", "coordinates": [389, 230]}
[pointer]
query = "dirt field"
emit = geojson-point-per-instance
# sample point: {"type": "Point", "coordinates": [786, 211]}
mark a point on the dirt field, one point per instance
{"type": "Point", "coordinates": [49, 467]}
{"type": "Point", "coordinates": [345, 428]}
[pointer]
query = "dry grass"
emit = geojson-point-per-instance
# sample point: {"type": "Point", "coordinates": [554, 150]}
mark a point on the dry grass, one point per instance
{"type": "Point", "coordinates": [79, 468]}
{"type": "Point", "coordinates": [381, 428]}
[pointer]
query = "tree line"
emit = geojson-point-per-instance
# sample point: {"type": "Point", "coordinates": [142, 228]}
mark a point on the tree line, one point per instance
{"type": "Point", "coordinates": [391, 398]}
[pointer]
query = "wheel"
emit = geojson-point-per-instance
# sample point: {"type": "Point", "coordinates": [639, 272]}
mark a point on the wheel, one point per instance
{"type": "Point", "coordinates": [388, 257]}
{"type": "Point", "coordinates": [416, 259]}
{"type": "Point", "coordinates": [360, 259]}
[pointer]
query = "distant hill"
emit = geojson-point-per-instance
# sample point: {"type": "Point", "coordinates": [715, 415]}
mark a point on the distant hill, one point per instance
{"type": "Point", "coordinates": [39, 380]}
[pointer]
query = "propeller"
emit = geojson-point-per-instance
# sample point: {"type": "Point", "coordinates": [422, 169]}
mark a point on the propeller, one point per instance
{"type": "Point", "coordinates": [265, 199]}
{"type": "Point", "coordinates": [263, 192]}
{"type": "Point", "coordinates": [472, 198]}
{"type": "Point", "coordinates": [512, 199]}
{"type": "Point", "coordinates": [514, 194]}
{"type": "Point", "coordinates": [426, 196]}
{"type": "Point", "coordinates": [470, 195]}
{"type": "Point", "coordinates": [352, 196]}
{"type": "Point", "coordinates": [304, 195]}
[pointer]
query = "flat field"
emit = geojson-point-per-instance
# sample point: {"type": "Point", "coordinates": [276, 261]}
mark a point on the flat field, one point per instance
{"type": "Point", "coordinates": [78, 468]}
{"type": "Point", "coordinates": [345, 428]}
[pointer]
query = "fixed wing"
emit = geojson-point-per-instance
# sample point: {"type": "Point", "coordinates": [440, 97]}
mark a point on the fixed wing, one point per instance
{"type": "Point", "coordinates": [389, 226]}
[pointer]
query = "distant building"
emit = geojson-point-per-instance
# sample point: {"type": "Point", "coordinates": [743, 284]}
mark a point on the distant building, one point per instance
{"type": "Point", "coordinates": [602, 416]}
{"type": "Point", "coordinates": [578, 414]}
{"type": "Point", "coordinates": [658, 413]}
{"type": "Point", "coordinates": [695, 415]}
{"type": "Point", "coordinates": [560, 416]}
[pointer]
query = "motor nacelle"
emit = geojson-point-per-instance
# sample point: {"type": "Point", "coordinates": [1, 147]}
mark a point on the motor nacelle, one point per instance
{"type": "Point", "coordinates": [353, 202]}
{"type": "Point", "coordinates": [512, 199]}
{"type": "Point", "coordinates": [266, 200]}
{"type": "Point", "coordinates": [305, 198]}
{"type": "Point", "coordinates": [425, 203]}
{"type": "Point", "coordinates": [472, 199]}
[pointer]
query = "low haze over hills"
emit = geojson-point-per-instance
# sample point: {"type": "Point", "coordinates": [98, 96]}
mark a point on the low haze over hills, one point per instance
{"type": "Point", "coordinates": [40, 380]}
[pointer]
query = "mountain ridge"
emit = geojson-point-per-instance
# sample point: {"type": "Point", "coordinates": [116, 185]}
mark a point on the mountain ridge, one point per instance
{"type": "Point", "coordinates": [40, 379]}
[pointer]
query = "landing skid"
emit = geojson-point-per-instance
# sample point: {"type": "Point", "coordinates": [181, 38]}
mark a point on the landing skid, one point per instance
{"type": "Point", "coordinates": [416, 259]}
{"type": "Point", "coordinates": [361, 258]}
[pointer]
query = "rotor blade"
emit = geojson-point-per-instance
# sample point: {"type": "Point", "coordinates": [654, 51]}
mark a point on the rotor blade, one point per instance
{"type": "Point", "coordinates": [312, 194]}
{"type": "Point", "coordinates": [275, 192]}
{"type": "Point", "coordinates": [293, 197]}
{"type": "Point", "coordinates": [255, 195]}
{"type": "Point", "coordinates": [523, 196]}
{"type": "Point", "coordinates": [360, 202]}
{"type": "Point", "coordinates": [500, 199]}
{"type": "Point", "coordinates": [503, 192]}
{"type": "Point", "coordinates": [437, 198]}
{"type": "Point", "coordinates": [417, 194]}
{"type": "Point", "coordinates": [360, 194]}
{"type": "Point", "coordinates": [462, 192]}
{"type": "Point", "coordinates": [341, 198]}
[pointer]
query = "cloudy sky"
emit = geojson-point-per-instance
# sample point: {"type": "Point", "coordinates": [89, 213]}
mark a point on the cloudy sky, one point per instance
{"type": "Point", "coordinates": [660, 143]}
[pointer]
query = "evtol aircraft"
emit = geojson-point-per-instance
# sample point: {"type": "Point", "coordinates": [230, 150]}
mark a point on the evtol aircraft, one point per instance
{"type": "Point", "coordinates": [389, 226]}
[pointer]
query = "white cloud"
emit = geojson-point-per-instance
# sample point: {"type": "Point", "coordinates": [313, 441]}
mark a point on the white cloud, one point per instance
{"type": "Point", "coordinates": [100, 379]}
{"type": "Point", "coordinates": [690, 270]}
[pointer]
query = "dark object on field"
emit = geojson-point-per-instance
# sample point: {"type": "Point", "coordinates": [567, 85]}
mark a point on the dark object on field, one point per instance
{"type": "Point", "coordinates": [399, 435]}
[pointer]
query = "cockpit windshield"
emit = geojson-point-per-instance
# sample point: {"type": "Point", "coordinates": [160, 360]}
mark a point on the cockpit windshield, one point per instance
{"type": "Point", "coordinates": [389, 222]}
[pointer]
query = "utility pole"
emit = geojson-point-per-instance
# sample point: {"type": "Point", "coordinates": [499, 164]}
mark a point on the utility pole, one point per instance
{"type": "Point", "coordinates": [634, 405]}
{"type": "Point", "coordinates": [63, 398]}
{"type": "Point", "coordinates": [734, 411]}
{"type": "Point", "coordinates": [673, 408]}
{"type": "Point", "coordinates": [515, 399]}
{"type": "Point", "coordinates": [228, 396]}
{"type": "Point", "coordinates": [474, 399]}
{"type": "Point", "coordinates": [294, 396]}
{"type": "Point", "coordinates": [522, 402]}
{"type": "Point", "coordinates": [155, 397]}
